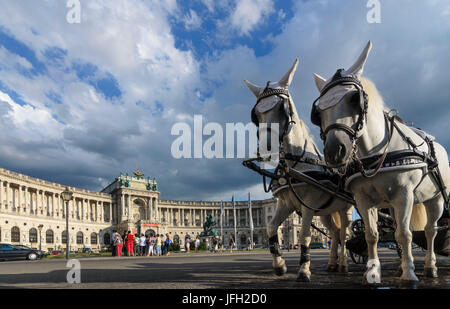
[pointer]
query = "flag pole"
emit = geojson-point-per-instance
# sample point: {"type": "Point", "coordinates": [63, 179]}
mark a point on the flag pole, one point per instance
{"type": "Point", "coordinates": [251, 220]}
{"type": "Point", "coordinates": [221, 219]}
{"type": "Point", "coordinates": [234, 212]}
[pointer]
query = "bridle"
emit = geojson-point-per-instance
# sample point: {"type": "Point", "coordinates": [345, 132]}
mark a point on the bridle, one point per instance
{"type": "Point", "coordinates": [353, 131]}
{"type": "Point", "coordinates": [286, 103]}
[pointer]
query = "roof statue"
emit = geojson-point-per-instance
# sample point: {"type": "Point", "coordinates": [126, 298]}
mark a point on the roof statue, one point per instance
{"type": "Point", "coordinates": [138, 174]}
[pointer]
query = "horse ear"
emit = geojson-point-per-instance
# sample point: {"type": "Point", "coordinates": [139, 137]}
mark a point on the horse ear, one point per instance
{"type": "Point", "coordinates": [320, 81]}
{"type": "Point", "coordinates": [358, 67]}
{"type": "Point", "coordinates": [287, 78]}
{"type": "Point", "coordinates": [253, 88]}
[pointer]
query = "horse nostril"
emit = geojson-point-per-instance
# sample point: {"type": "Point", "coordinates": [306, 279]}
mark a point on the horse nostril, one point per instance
{"type": "Point", "coordinates": [340, 154]}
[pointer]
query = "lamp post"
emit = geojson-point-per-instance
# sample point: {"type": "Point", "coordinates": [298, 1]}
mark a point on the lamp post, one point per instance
{"type": "Point", "coordinates": [67, 196]}
{"type": "Point", "coordinates": [40, 237]}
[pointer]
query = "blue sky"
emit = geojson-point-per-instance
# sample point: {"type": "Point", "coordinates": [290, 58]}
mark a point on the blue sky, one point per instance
{"type": "Point", "coordinates": [80, 103]}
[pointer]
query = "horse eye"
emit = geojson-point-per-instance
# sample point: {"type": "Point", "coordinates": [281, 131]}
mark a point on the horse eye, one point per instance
{"type": "Point", "coordinates": [354, 99]}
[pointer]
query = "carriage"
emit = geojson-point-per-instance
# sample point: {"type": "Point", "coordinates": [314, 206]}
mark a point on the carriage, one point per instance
{"type": "Point", "coordinates": [357, 245]}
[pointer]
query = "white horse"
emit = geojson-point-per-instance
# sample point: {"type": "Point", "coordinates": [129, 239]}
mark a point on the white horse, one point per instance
{"type": "Point", "coordinates": [357, 127]}
{"type": "Point", "coordinates": [277, 109]}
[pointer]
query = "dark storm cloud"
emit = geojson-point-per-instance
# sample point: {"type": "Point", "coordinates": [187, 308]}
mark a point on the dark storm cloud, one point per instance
{"type": "Point", "coordinates": [93, 138]}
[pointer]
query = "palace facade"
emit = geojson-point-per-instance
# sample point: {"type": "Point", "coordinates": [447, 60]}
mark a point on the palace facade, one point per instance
{"type": "Point", "coordinates": [33, 213]}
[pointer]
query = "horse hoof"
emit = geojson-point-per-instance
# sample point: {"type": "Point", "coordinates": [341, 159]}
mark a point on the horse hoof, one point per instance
{"type": "Point", "coordinates": [331, 268]}
{"type": "Point", "coordinates": [280, 271]}
{"type": "Point", "coordinates": [302, 277]}
{"type": "Point", "coordinates": [430, 273]}
{"type": "Point", "coordinates": [343, 269]}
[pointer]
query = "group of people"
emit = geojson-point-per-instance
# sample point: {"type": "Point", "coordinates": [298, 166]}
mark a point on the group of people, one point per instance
{"type": "Point", "coordinates": [157, 245]}
{"type": "Point", "coordinates": [140, 245]}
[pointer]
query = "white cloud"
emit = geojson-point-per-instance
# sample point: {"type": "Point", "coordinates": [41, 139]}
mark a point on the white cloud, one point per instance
{"type": "Point", "coordinates": [248, 14]}
{"type": "Point", "coordinates": [192, 21]}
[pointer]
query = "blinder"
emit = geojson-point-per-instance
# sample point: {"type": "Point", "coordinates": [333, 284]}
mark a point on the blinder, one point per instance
{"type": "Point", "coordinates": [338, 79]}
{"type": "Point", "coordinates": [285, 105]}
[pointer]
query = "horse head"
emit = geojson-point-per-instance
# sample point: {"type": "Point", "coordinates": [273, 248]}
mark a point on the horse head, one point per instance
{"type": "Point", "coordinates": [273, 109]}
{"type": "Point", "coordinates": [340, 110]}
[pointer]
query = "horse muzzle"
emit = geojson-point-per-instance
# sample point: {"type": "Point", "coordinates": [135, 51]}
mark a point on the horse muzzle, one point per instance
{"type": "Point", "coordinates": [337, 150]}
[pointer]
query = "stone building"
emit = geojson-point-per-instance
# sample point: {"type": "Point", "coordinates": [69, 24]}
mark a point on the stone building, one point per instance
{"type": "Point", "coordinates": [32, 213]}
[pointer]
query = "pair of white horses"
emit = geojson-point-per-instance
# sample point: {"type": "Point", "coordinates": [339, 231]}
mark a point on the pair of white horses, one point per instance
{"type": "Point", "coordinates": [353, 131]}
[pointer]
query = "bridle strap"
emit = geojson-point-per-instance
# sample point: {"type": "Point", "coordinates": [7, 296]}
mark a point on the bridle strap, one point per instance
{"type": "Point", "coordinates": [340, 126]}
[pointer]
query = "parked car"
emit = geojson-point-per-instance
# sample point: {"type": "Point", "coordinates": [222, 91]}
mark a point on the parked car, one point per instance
{"type": "Point", "coordinates": [317, 245]}
{"type": "Point", "coordinates": [87, 250]}
{"type": "Point", "coordinates": [57, 252]}
{"type": "Point", "coordinates": [12, 252]}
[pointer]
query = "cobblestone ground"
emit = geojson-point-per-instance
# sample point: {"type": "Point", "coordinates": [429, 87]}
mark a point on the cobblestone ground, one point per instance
{"type": "Point", "coordinates": [239, 270]}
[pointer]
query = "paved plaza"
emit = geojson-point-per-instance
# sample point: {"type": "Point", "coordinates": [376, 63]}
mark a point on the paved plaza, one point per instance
{"type": "Point", "coordinates": [206, 270]}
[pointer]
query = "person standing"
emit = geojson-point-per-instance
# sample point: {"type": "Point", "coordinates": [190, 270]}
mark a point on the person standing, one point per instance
{"type": "Point", "coordinates": [151, 245]}
{"type": "Point", "coordinates": [220, 243]}
{"type": "Point", "coordinates": [158, 245]}
{"type": "Point", "coordinates": [197, 243]}
{"type": "Point", "coordinates": [113, 237]}
{"type": "Point", "coordinates": [118, 243]}
{"type": "Point", "coordinates": [167, 242]}
{"type": "Point", "coordinates": [249, 244]}
{"type": "Point", "coordinates": [188, 244]}
{"type": "Point", "coordinates": [231, 242]}
{"type": "Point", "coordinates": [130, 244]}
{"type": "Point", "coordinates": [142, 243]}
{"type": "Point", "coordinates": [214, 244]}
{"type": "Point", "coordinates": [136, 247]}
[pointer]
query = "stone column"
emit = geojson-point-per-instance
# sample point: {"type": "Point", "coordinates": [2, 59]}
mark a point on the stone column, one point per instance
{"type": "Point", "coordinates": [19, 200]}
{"type": "Point", "coordinates": [129, 206]}
{"type": "Point", "coordinates": [1, 197]}
{"type": "Point", "coordinates": [7, 196]}
{"type": "Point", "coordinates": [53, 205]}
{"type": "Point", "coordinates": [27, 207]}
{"type": "Point", "coordinates": [44, 207]}
{"type": "Point", "coordinates": [122, 206]}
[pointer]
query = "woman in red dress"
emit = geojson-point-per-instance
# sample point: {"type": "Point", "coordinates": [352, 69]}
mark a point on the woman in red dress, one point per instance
{"type": "Point", "coordinates": [118, 245]}
{"type": "Point", "coordinates": [129, 244]}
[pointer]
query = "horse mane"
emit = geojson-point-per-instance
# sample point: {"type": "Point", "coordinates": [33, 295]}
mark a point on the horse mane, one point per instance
{"type": "Point", "coordinates": [303, 128]}
{"type": "Point", "coordinates": [375, 99]}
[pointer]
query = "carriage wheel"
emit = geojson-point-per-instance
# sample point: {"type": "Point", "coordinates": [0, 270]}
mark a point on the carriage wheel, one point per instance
{"type": "Point", "coordinates": [358, 227]}
{"type": "Point", "coordinates": [358, 259]}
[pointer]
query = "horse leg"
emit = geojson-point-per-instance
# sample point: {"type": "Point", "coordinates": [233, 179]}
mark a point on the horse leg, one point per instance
{"type": "Point", "coordinates": [346, 218]}
{"type": "Point", "coordinates": [304, 273]}
{"type": "Point", "coordinates": [327, 221]}
{"type": "Point", "coordinates": [434, 210]}
{"type": "Point", "coordinates": [370, 218]}
{"type": "Point", "coordinates": [403, 235]}
{"type": "Point", "coordinates": [282, 212]}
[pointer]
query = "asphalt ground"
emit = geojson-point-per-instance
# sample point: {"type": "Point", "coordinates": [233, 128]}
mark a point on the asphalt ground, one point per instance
{"type": "Point", "coordinates": [239, 270]}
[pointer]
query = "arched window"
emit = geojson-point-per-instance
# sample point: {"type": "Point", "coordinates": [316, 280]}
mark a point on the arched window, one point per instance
{"type": "Point", "coordinates": [49, 237]}
{"type": "Point", "coordinates": [80, 238]}
{"type": "Point", "coordinates": [15, 234]}
{"type": "Point", "coordinates": [64, 237]}
{"type": "Point", "coordinates": [176, 239]}
{"type": "Point", "coordinates": [33, 235]}
{"type": "Point", "coordinates": [150, 232]}
{"type": "Point", "coordinates": [107, 239]}
{"type": "Point", "coordinates": [94, 240]}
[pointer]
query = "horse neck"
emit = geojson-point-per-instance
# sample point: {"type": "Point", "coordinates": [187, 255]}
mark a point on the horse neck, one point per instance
{"type": "Point", "coordinates": [296, 140]}
{"type": "Point", "coordinates": [374, 135]}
